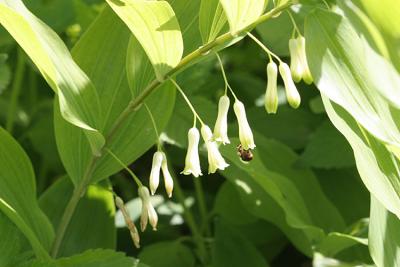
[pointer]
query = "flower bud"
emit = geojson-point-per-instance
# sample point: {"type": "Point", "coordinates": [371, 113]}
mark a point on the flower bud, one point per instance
{"type": "Point", "coordinates": [129, 223]}
{"type": "Point", "coordinates": [298, 60]}
{"type": "Point", "coordinates": [168, 181]}
{"type": "Point", "coordinates": [221, 125]}
{"type": "Point", "coordinates": [301, 43]}
{"type": "Point", "coordinates": [245, 133]}
{"type": "Point", "coordinates": [155, 171]}
{"type": "Point", "coordinates": [215, 159]}
{"type": "Point", "coordinates": [292, 94]}
{"type": "Point", "coordinates": [295, 62]}
{"type": "Point", "coordinates": [271, 95]}
{"type": "Point", "coordinates": [148, 213]}
{"type": "Point", "coordinates": [192, 160]}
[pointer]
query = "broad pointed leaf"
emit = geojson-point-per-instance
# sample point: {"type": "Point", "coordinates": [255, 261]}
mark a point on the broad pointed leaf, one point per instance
{"type": "Point", "coordinates": [242, 13]}
{"type": "Point", "coordinates": [212, 19]}
{"type": "Point", "coordinates": [18, 195]}
{"type": "Point", "coordinates": [384, 240]}
{"type": "Point", "coordinates": [109, 37]}
{"type": "Point", "coordinates": [350, 73]}
{"type": "Point", "coordinates": [155, 26]}
{"type": "Point", "coordinates": [378, 167]}
{"type": "Point", "coordinates": [78, 99]}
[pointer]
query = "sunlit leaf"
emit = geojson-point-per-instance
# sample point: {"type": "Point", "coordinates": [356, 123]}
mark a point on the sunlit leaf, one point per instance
{"type": "Point", "coordinates": [78, 99]}
{"type": "Point", "coordinates": [212, 19]}
{"type": "Point", "coordinates": [384, 241]}
{"type": "Point", "coordinates": [242, 13]}
{"type": "Point", "coordinates": [155, 26]}
{"type": "Point", "coordinates": [350, 73]}
{"type": "Point", "coordinates": [377, 166]}
{"type": "Point", "coordinates": [109, 37]}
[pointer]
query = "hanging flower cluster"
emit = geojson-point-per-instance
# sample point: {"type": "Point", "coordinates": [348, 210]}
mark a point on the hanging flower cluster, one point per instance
{"type": "Point", "coordinates": [297, 71]}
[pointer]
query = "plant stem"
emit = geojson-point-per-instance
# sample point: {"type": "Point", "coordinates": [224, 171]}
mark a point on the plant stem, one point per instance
{"type": "Point", "coordinates": [187, 101]}
{"type": "Point", "coordinates": [78, 192]}
{"type": "Point", "coordinates": [188, 216]}
{"type": "Point", "coordinates": [134, 105]}
{"type": "Point", "coordinates": [131, 173]}
{"type": "Point", "coordinates": [16, 90]}
{"type": "Point", "coordinates": [186, 61]}
{"type": "Point", "coordinates": [202, 205]}
{"type": "Point", "coordinates": [260, 44]}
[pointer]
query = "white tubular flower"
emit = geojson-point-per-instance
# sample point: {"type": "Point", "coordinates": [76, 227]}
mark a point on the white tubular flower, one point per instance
{"type": "Point", "coordinates": [298, 60]}
{"type": "Point", "coordinates": [192, 160]}
{"type": "Point", "coordinates": [221, 125]}
{"type": "Point", "coordinates": [271, 95]}
{"type": "Point", "coordinates": [245, 133]}
{"type": "Point", "coordinates": [292, 94]}
{"type": "Point", "coordinates": [168, 181]}
{"type": "Point", "coordinates": [148, 214]}
{"type": "Point", "coordinates": [215, 159]}
{"type": "Point", "coordinates": [155, 171]}
{"type": "Point", "coordinates": [301, 45]}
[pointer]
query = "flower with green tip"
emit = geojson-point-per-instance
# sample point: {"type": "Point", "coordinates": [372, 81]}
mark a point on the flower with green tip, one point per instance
{"type": "Point", "coordinates": [271, 95]}
{"type": "Point", "coordinates": [292, 95]}
{"type": "Point", "coordinates": [298, 60]}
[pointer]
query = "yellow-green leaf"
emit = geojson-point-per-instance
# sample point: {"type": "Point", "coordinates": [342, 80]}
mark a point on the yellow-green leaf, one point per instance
{"type": "Point", "coordinates": [242, 13]}
{"type": "Point", "coordinates": [79, 102]}
{"type": "Point", "coordinates": [212, 19]}
{"type": "Point", "coordinates": [155, 26]}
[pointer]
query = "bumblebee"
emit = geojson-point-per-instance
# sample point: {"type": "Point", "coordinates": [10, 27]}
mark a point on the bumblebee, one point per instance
{"type": "Point", "coordinates": [245, 155]}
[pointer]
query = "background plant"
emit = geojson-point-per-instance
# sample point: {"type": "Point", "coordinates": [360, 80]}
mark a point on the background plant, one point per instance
{"type": "Point", "coordinates": [115, 68]}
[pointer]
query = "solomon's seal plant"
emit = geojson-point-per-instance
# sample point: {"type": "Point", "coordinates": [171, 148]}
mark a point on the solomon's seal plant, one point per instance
{"type": "Point", "coordinates": [301, 169]}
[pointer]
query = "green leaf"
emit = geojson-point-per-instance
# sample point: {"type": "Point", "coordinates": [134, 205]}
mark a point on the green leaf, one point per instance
{"type": "Point", "coordinates": [156, 27]}
{"type": "Point", "coordinates": [328, 149]}
{"type": "Point", "coordinates": [18, 195]}
{"type": "Point", "coordinates": [90, 258]}
{"type": "Point", "coordinates": [298, 200]}
{"type": "Point", "coordinates": [351, 74]}
{"type": "Point", "coordinates": [78, 99]}
{"type": "Point", "coordinates": [242, 13]}
{"type": "Point", "coordinates": [109, 37]}
{"type": "Point", "coordinates": [232, 249]}
{"type": "Point", "coordinates": [14, 246]}
{"type": "Point", "coordinates": [385, 14]}
{"type": "Point", "coordinates": [377, 166]}
{"type": "Point", "coordinates": [212, 20]}
{"type": "Point", "coordinates": [187, 14]}
{"type": "Point", "coordinates": [230, 207]}
{"type": "Point", "coordinates": [57, 14]}
{"type": "Point", "coordinates": [5, 73]}
{"type": "Point", "coordinates": [167, 254]}
{"type": "Point", "coordinates": [93, 217]}
{"type": "Point", "coordinates": [345, 189]}
{"type": "Point", "coordinates": [384, 241]}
